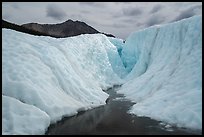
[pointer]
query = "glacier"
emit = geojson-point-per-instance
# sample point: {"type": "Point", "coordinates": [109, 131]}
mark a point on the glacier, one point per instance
{"type": "Point", "coordinates": [45, 79]}
{"type": "Point", "coordinates": [165, 79]}
{"type": "Point", "coordinates": [55, 77]}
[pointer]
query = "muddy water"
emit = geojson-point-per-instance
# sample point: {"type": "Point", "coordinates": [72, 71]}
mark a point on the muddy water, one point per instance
{"type": "Point", "coordinates": [113, 119]}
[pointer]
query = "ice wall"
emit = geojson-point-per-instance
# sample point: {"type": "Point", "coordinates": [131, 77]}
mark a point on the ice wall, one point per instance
{"type": "Point", "coordinates": [45, 79]}
{"type": "Point", "coordinates": [119, 67]}
{"type": "Point", "coordinates": [165, 65]}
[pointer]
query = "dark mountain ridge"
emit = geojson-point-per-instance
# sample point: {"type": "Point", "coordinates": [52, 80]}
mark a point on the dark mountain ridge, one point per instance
{"type": "Point", "coordinates": [66, 29]}
{"type": "Point", "coordinates": [8, 25]}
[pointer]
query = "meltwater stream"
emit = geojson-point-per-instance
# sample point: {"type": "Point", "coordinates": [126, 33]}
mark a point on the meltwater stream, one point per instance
{"type": "Point", "coordinates": [113, 119]}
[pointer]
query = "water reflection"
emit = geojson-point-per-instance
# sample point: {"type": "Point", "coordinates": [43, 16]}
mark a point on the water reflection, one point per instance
{"type": "Point", "coordinates": [111, 119]}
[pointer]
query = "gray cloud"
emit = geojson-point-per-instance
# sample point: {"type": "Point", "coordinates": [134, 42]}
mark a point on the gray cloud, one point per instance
{"type": "Point", "coordinates": [93, 4]}
{"type": "Point", "coordinates": [128, 20]}
{"type": "Point", "coordinates": [85, 11]}
{"type": "Point", "coordinates": [188, 13]}
{"type": "Point", "coordinates": [76, 16]}
{"type": "Point", "coordinates": [156, 8]}
{"type": "Point", "coordinates": [117, 15]}
{"type": "Point", "coordinates": [183, 15]}
{"type": "Point", "coordinates": [6, 16]}
{"type": "Point", "coordinates": [154, 20]}
{"type": "Point", "coordinates": [114, 25]}
{"type": "Point", "coordinates": [15, 5]}
{"type": "Point", "coordinates": [55, 12]}
{"type": "Point", "coordinates": [139, 24]}
{"type": "Point", "coordinates": [87, 3]}
{"type": "Point", "coordinates": [132, 12]}
{"type": "Point", "coordinates": [118, 25]}
{"type": "Point", "coordinates": [122, 2]}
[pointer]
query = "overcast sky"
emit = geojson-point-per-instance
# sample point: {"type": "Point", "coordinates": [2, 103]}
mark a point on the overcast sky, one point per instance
{"type": "Point", "coordinates": [117, 18]}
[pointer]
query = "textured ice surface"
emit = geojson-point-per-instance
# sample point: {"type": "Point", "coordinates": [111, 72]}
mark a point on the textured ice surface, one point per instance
{"type": "Point", "coordinates": [19, 118]}
{"type": "Point", "coordinates": [165, 81]}
{"type": "Point", "coordinates": [118, 63]}
{"type": "Point", "coordinates": [58, 76]}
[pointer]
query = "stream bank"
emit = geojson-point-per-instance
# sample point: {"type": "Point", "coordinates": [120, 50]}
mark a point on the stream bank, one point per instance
{"type": "Point", "coordinates": [113, 119]}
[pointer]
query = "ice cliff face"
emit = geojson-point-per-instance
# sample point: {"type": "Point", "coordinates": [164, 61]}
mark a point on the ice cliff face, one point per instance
{"type": "Point", "coordinates": [165, 65]}
{"type": "Point", "coordinates": [55, 77]}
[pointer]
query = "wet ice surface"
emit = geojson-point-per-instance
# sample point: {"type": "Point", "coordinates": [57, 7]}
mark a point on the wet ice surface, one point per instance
{"type": "Point", "coordinates": [113, 119]}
